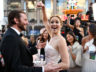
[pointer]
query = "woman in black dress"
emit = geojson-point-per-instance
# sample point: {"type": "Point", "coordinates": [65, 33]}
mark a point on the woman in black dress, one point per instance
{"type": "Point", "coordinates": [78, 31]}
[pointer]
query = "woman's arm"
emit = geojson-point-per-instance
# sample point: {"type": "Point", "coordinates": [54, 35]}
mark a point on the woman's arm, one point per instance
{"type": "Point", "coordinates": [84, 40]}
{"type": "Point", "coordinates": [85, 49]}
{"type": "Point", "coordinates": [45, 19]}
{"type": "Point", "coordinates": [73, 55]}
{"type": "Point", "coordinates": [68, 23]}
{"type": "Point", "coordinates": [62, 48]}
{"type": "Point", "coordinates": [79, 55]}
{"type": "Point", "coordinates": [82, 32]}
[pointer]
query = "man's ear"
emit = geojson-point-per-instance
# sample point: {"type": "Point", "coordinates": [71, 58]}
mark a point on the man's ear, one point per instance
{"type": "Point", "coordinates": [16, 20]}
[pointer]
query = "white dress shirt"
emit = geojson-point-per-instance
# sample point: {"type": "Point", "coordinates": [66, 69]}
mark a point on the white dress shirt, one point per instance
{"type": "Point", "coordinates": [15, 30]}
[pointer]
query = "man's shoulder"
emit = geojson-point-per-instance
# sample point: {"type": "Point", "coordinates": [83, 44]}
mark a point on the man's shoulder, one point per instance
{"type": "Point", "coordinates": [11, 33]}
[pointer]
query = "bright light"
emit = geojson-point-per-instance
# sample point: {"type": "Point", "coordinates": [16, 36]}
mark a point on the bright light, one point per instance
{"type": "Point", "coordinates": [1, 10]}
{"type": "Point", "coordinates": [94, 11]}
{"type": "Point", "coordinates": [30, 5]}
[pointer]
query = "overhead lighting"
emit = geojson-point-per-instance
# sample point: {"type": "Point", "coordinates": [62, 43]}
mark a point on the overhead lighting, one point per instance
{"type": "Point", "coordinates": [15, 5]}
{"type": "Point", "coordinates": [94, 11]}
{"type": "Point", "coordinates": [30, 5]}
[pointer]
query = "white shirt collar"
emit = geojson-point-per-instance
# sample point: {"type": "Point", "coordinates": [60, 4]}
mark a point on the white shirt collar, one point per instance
{"type": "Point", "coordinates": [16, 30]}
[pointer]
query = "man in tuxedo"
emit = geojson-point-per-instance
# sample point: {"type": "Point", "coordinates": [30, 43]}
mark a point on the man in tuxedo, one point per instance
{"type": "Point", "coordinates": [16, 56]}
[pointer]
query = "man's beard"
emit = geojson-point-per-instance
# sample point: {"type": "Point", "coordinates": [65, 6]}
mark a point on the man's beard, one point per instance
{"type": "Point", "coordinates": [21, 26]}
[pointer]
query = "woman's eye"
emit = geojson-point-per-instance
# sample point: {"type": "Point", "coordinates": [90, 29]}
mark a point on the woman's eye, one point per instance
{"type": "Point", "coordinates": [57, 22]}
{"type": "Point", "coordinates": [52, 21]}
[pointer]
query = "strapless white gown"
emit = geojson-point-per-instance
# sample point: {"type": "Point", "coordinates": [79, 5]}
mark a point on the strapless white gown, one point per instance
{"type": "Point", "coordinates": [51, 54]}
{"type": "Point", "coordinates": [88, 65]}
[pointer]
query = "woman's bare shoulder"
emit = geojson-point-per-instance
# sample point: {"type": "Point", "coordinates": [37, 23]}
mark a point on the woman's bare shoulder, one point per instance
{"type": "Point", "coordinates": [62, 39]}
{"type": "Point", "coordinates": [85, 38]}
{"type": "Point", "coordinates": [81, 29]}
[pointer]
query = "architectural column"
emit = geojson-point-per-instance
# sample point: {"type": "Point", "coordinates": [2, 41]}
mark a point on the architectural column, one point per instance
{"type": "Point", "coordinates": [26, 7]}
{"type": "Point", "coordinates": [1, 13]}
{"type": "Point", "coordinates": [89, 1]}
{"type": "Point", "coordinates": [54, 7]}
{"type": "Point", "coordinates": [22, 5]}
{"type": "Point", "coordinates": [1, 9]}
{"type": "Point", "coordinates": [94, 11]}
{"type": "Point", "coordinates": [38, 14]}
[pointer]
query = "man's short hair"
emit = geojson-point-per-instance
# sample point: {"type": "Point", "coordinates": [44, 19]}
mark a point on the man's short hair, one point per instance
{"type": "Point", "coordinates": [14, 14]}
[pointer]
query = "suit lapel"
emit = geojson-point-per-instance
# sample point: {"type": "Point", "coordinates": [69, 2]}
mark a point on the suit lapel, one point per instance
{"type": "Point", "coordinates": [15, 34]}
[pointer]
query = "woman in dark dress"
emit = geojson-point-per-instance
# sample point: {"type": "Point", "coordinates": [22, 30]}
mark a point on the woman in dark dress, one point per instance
{"type": "Point", "coordinates": [78, 31]}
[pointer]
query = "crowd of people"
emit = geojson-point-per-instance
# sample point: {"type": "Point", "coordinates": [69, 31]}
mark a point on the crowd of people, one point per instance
{"type": "Point", "coordinates": [73, 53]}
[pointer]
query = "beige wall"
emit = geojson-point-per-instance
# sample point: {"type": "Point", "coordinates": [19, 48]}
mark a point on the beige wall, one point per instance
{"type": "Point", "coordinates": [89, 1]}
{"type": "Point", "coordinates": [82, 5]}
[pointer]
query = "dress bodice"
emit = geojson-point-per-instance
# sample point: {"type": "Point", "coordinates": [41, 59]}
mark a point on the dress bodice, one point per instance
{"type": "Point", "coordinates": [90, 45]}
{"type": "Point", "coordinates": [51, 54]}
{"type": "Point", "coordinates": [78, 35]}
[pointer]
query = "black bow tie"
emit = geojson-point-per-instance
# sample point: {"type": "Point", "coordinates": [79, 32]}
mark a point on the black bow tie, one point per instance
{"type": "Point", "coordinates": [21, 35]}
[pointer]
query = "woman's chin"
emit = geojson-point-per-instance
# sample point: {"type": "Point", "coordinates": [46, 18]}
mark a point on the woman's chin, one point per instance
{"type": "Point", "coordinates": [55, 32]}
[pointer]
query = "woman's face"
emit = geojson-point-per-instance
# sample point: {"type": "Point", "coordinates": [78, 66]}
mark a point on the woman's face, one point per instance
{"type": "Point", "coordinates": [32, 38]}
{"type": "Point", "coordinates": [55, 25]}
{"type": "Point", "coordinates": [45, 35]}
{"type": "Point", "coordinates": [70, 38]}
{"type": "Point", "coordinates": [77, 23]}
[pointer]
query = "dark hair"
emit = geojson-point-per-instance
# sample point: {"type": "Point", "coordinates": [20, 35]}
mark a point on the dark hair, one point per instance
{"type": "Point", "coordinates": [91, 4]}
{"type": "Point", "coordinates": [14, 14]}
{"type": "Point", "coordinates": [92, 29]}
{"type": "Point", "coordinates": [76, 20]}
{"type": "Point", "coordinates": [48, 35]}
{"type": "Point", "coordinates": [72, 34]}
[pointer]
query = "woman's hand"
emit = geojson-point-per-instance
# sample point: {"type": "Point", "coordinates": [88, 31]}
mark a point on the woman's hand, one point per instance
{"type": "Point", "coordinates": [51, 67]}
{"type": "Point", "coordinates": [40, 4]}
{"type": "Point", "coordinates": [72, 54]}
{"type": "Point", "coordinates": [41, 45]}
{"type": "Point", "coordinates": [70, 49]}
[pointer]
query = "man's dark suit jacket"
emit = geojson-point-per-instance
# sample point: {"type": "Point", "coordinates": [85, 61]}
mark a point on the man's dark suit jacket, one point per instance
{"type": "Point", "coordinates": [16, 56]}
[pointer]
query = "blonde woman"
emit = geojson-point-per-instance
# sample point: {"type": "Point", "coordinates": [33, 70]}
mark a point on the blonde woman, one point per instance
{"type": "Point", "coordinates": [56, 48]}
